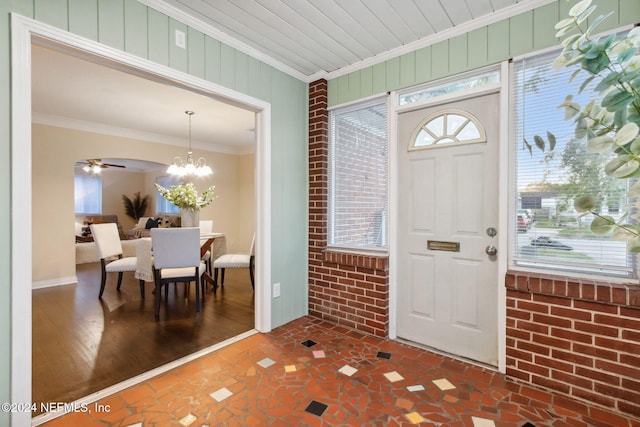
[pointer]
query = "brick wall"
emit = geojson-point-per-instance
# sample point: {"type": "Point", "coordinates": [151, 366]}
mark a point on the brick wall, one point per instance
{"type": "Point", "coordinates": [349, 289]}
{"type": "Point", "coordinates": [579, 338]}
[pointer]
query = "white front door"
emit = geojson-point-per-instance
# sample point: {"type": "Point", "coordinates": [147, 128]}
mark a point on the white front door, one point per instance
{"type": "Point", "coordinates": [448, 208]}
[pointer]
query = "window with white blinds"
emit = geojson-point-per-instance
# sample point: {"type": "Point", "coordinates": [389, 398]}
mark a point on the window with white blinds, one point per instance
{"type": "Point", "coordinates": [548, 232]}
{"type": "Point", "coordinates": [358, 176]}
{"type": "Point", "coordinates": [88, 194]}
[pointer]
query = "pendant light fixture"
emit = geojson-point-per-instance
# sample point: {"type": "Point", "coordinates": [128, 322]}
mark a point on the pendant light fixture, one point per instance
{"type": "Point", "coordinates": [189, 167]}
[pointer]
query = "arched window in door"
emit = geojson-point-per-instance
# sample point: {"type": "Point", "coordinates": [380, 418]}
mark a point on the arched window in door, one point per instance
{"type": "Point", "coordinates": [446, 128]}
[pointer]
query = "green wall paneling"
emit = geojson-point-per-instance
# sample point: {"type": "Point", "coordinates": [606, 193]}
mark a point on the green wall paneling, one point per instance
{"type": "Point", "coordinates": [52, 12]}
{"type": "Point", "coordinates": [393, 73]}
{"type": "Point", "coordinates": [354, 85]}
{"type": "Point", "coordinates": [408, 69]}
{"type": "Point", "coordinates": [343, 88]}
{"type": "Point", "coordinates": [111, 23]}
{"type": "Point", "coordinates": [83, 18]}
{"type": "Point", "coordinates": [227, 66]}
{"type": "Point", "coordinates": [242, 72]}
{"type": "Point", "coordinates": [178, 56]}
{"type": "Point", "coordinates": [629, 12]}
{"type": "Point", "coordinates": [458, 54]}
{"type": "Point", "coordinates": [379, 78]}
{"type": "Point", "coordinates": [498, 41]}
{"type": "Point", "coordinates": [24, 8]}
{"type": "Point", "coordinates": [196, 53]}
{"type": "Point", "coordinates": [477, 48]}
{"type": "Point", "coordinates": [366, 82]}
{"type": "Point", "coordinates": [604, 7]}
{"type": "Point", "coordinates": [158, 37]}
{"type": "Point", "coordinates": [440, 59]}
{"type": "Point", "coordinates": [212, 59]}
{"type": "Point", "coordinates": [332, 92]}
{"type": "Point", "coordinates": [136, 28]}
{"type": "Point", "coordinates": [423, 64]}
{"type": "Point", "coordinates": [521, 34]}
{"type": "Point", "coordinates": [544, 19]}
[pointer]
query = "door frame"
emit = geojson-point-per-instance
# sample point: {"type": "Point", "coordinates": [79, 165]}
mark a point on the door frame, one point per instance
{"type": "Point", "coordinates": [23, 31]}
{"type": "Point", "coordinates": [505, 179]}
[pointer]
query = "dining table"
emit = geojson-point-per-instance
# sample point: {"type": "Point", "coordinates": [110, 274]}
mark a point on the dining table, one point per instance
{"type": "Point", "coordinates": [208, 243]}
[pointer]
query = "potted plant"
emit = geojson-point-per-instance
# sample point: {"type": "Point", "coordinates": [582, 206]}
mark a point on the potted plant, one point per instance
{"type": "Point", "coordinates": [136, 208]}
{"type": "Point", "coordinates": [186, 197]}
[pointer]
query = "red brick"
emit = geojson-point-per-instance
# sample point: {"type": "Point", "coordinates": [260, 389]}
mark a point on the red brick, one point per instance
{"type": "Point", "coordinates": [571, 335]}
{"type": "Point", "coordinates": [532, 306]}
{"type": "Point", "coordinates": [572, 379]}
{"type": "Point", "coordinates": [554, 364]}
{"type": "Point", "coordinates": [596, 329]}
{"type": "Point", "coordinates": [612, 344]}
{"type": "Point", "coordinates": [567, 356]}
{"type": "Point", "coordinates": [594, 306]}
{"type": "Point", "coordinates": [570, 313]}
{"type": "Point", "coordinates": [552, 321]}
{"type": "Point", "coordinates": [617, 321]}
{"type": "Point", "coordinates": [595, 351]}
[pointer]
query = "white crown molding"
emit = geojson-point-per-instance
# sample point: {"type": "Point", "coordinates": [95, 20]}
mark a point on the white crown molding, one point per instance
{"type": "Point", "coordinates": [449, 33]}
{"type": "Point", "coordinates": [211, 31]}
{"type": "Point", "coordinates": [101, 128]}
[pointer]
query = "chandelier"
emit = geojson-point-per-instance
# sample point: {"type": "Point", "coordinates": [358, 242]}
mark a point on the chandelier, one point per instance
{"type": "Point", "coordinates": [189, 167]}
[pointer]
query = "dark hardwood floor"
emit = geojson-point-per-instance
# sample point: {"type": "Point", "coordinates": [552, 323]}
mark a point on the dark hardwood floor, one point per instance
{"type": "Point", "coordinates": [82, 344]}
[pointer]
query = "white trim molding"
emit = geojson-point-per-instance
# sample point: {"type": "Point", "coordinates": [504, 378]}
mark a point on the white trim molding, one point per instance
{"type": "Point", "coordinates": [60, 281]}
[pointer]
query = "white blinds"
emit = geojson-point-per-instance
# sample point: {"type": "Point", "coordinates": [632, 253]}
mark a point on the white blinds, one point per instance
{"type": "Point", "coordinates": [358, 176]}
{"type": "Point", "coordinates": [88, 194]}
{"type": "Point", "coordinates": [547, 183]}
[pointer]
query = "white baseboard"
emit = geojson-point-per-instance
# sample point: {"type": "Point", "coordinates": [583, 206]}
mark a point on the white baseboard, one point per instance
{"type": "Point", "coordinates": [71, 280]}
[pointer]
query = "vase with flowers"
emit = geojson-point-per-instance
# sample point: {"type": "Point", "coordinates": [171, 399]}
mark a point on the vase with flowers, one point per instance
{"type": "Point", "coordinates": [186, 197]}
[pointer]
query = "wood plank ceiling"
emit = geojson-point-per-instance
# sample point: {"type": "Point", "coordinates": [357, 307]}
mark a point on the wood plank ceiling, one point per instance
{"type": "Point", "coordinates": [316, 36]}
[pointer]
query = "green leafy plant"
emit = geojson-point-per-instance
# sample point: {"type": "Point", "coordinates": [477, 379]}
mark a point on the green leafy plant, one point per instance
{"type": "Point", "coordinates": [136, 208]}
{"type": "Point", "coordinates": [185, 196]}
{"type": "Point", "coordinates": [611, 120]}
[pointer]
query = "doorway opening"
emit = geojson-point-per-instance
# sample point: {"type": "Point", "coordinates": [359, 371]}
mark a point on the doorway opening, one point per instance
{"type": "Point", "coordinates": [24, 33]}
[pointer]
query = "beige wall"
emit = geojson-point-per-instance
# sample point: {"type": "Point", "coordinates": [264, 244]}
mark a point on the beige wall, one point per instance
{"type": "Point", "coordinates": [55, 151]}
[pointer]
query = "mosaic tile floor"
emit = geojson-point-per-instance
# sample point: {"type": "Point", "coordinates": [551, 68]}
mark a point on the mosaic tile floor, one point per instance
{"type": "Point", "coordinates": [313, 373]}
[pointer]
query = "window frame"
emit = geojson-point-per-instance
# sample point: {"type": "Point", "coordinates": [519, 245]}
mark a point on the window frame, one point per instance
{"type": "Point", "coordinates": [516, 263]}
{"type": "Point", "coordinates": [345, 108]}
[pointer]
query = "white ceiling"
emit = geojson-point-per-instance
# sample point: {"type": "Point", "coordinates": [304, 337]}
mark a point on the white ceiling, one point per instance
{"type": "Point", "coordinates": [314, 37]}
{"type": "Point", "coordinates": [306, 38]}
{"type": "Point", "coordinates": [71, 92]}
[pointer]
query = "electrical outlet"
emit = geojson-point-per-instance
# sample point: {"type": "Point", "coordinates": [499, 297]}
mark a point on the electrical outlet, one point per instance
{"type": "Point", "coordinates": [181, 39]}
{"type": "Point", "coordinates": [276, 290]}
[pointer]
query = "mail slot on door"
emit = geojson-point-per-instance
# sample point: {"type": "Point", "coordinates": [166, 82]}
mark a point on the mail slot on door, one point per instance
{"type": "Point", "coordinates": [437, 245]}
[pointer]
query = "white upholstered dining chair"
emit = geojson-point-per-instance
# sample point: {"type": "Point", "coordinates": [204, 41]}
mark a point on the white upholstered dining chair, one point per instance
{"type": "Point", "coordinates": [109, 250]}
{"type": "Point", "coordinates": [235, 261]}
{"type": "Point", "coordinates": [176, 258]}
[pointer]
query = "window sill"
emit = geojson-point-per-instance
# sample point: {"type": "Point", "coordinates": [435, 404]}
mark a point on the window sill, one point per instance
{"type": "Point", "coordinates": [365, 260]}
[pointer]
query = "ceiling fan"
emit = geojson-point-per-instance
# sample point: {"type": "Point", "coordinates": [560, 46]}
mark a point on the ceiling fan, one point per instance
{"type": "Point", "coordinates": [94, 166]}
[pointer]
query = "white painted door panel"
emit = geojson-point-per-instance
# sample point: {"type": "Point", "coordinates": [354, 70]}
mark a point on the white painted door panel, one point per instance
{"type": "Point", "coordinates": [448, 300]}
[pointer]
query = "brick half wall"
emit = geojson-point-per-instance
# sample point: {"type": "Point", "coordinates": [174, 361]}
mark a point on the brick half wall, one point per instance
{"type": "Point", "coordinates": [345, 288]}
{"type": "Point", "coordinates": [579, 338]}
